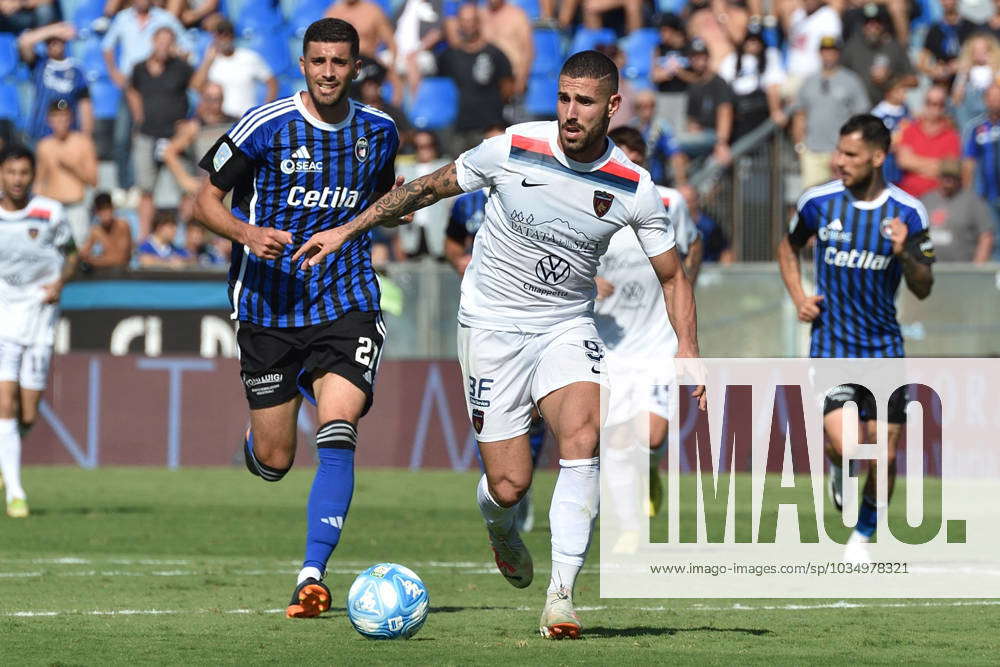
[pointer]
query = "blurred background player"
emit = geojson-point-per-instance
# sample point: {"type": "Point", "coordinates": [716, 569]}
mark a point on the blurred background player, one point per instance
{"type": "Point", "coordinates": [37, 257]}
{"type": "Point", "coordinates": [526, 331]}
{"type": "Point", "coordinates": [318, 335]}
{"type": "Point", "coordinates": [641, 343]}
{"type": "Point", "coordinates": [868, 236]}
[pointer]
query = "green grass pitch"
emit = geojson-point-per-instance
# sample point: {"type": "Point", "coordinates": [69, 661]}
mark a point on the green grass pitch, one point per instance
{"type": "Point", "coordinates": [129, 565]}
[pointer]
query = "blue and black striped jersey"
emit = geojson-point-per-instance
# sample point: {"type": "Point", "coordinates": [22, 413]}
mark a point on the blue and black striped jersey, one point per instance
{"type": "Point", "coordinates": [291, 171]}
{"type": "Point", "coordinates": [856, 271]}
{"type": "Point", "coordinates": [982, 144]}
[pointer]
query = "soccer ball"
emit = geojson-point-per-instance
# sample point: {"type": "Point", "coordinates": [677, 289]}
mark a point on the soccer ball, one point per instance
{"type": "Point", "coordinates": [387, 601]}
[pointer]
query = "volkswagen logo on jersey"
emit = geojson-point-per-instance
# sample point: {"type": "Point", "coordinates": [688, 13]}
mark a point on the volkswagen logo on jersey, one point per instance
{"type": "Point", "coordinates": [552, 270]}
{"type": "Point", "coordinates": [300, 162]}
{"type": "Point", "coordinates": [632, 291]}
{"type": "Point", "coordinates": [361, 149]}
{"type": "Point", "coordinates": [602, 202]}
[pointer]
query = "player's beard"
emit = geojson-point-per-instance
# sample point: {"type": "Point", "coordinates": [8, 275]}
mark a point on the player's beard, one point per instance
{"type": "Point", "coordinates": [321, 99]}
{"type": "Point", "coordinates": [587, 140]}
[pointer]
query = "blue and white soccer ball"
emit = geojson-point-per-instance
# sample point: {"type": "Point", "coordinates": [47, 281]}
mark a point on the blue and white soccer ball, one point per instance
{"type": "Point", "coordinates": [387, 601]}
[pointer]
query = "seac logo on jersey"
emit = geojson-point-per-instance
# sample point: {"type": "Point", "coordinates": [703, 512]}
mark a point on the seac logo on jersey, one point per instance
{"type": "Point", "coordinates": [361, 149]}
{"type": "Point", "coordinates": [300, 162]}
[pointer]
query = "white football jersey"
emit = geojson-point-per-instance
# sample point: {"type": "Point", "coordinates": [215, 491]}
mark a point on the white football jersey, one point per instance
{"type": "Point", "coordinates": [633, 320]}
{"type": "Point", "coordinates": [32, 252]}
{"type": "Point", "coordinates": [548, 221]}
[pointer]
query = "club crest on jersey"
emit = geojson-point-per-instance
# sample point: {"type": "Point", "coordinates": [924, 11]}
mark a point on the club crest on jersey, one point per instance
{"type": "Point", "coordinates": [361, 149]}
{"type": "Point", "coordinates": [886, 228]}
{"type": "Point", "coordinates": [602, 202]}
{"type": "Point", "coordinates": [32, 233]}
{"type": "Point", "coordinates": [477, 419]}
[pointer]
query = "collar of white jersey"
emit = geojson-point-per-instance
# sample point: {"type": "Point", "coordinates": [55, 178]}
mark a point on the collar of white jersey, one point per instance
{"type": "Point", "coordinates": [558, 154]}
{"type": "Point", "coordinates": [868, 204]}
{"type": "Point", "coordinates": [316, 122]}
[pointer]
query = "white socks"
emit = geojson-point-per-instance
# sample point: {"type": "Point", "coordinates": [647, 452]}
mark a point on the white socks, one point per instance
{"type": "Point", "coordinates": [498, 519]}
{"type": "Point", "coordinates": [309, 572]}
{"type": "Point", "coordinates": [622, 479]}
{"type": "Point", "coordinates": [10, 458]}
{"type": "Point", "coordinates": [575, 502]}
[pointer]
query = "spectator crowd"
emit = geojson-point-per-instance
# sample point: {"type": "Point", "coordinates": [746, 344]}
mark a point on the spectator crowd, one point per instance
{"type": "Point", "coordinates": [120, 98]}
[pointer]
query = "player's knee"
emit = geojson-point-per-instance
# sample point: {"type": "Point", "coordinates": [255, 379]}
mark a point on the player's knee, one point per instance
{"type": "Point", "coordinates": [583, 443]}
{"type": "Point", "coordinates": [269, 463]}
{"type": "Point", "coordinates": [508, 490]}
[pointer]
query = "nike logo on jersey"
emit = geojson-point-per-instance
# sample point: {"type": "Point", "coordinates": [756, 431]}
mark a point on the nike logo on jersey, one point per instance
{"type": "Point", "coordinates": [526, 184]}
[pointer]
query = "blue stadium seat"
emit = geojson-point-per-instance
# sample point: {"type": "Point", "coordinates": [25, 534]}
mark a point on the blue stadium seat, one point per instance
{"type": "Point", "coordinates": [540, 97]}
{"type": "Point", "coordinates": [87, 11]}
{"type": "Point", "coordinates": [305, 13]}
{"type": "Point", "coordinates": [91, 58]}
{"type": "Point", "coordinates": [10, 108]}
{"type": "Point", "coordinates": [532, 8]}
{"type": "Point", "coordinates": [589, 38]}
{"type": "Point", "coordinates": [25, 101]}
{"type": "Point", "coordinates": [9, 59]}
{"type": "Point", "coordinates": [638, 48]}
{"type": "Point", "coordinates": [274, 50]}
{"type": "Point", "coordinates": [259, 18]}
{"type": "Point", "coordinates": [548, 51]}
{"type": "Point", "coordinates": [106, 97]}
{"type": "Point", "coordinates": [435, 105]}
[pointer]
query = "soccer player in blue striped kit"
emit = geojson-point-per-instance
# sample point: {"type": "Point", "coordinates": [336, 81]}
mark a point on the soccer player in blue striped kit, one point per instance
{"type": "Point", "coordinates": [295, 166]}
{"type": "Point", "coordinates": [869, 235]}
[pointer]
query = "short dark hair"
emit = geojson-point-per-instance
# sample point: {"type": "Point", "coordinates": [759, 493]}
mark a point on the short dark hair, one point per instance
{"type": "Point", "coordinates": [873, 130]}
{"type": "Point", "coordinates": [628, 137]}
{"type": "Point", "coordinates": [17, 152]}
{"type": "Point", "coordinates": [332, 30]}
{"type": "Point", "coordinates": [591, 65]}
{"type": "Point", "coordinates": [102, 200]}
{"type": "Point", "coordinates": [164, 216]}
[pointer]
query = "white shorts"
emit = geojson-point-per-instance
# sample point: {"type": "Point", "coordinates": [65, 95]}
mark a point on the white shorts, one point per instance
{"type": "Point", "coordinates": [27, 365]}
{"type": "Point", "coordinates": [507, 373]}
{"type": "Point", "coordinates": [634, 391]}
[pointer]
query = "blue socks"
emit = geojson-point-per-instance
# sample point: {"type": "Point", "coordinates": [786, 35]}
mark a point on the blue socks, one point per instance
{"type": "Point", "coordinates": [867, 518]}
{"type": "Point", "coordinates": [331, 493]}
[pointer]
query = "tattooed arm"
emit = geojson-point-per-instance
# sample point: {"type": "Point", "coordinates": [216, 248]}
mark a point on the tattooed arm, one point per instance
{"type": "Point", "coordinates": [392, 206]}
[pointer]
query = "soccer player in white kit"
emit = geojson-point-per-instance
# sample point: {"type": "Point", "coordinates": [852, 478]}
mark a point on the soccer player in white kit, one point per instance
{"type": "Point", "coordinates": [37, 257]}
{"type": "Point", "coordinates": [558, 192]}
{"type": "Point", "coordinates": [640, 342]}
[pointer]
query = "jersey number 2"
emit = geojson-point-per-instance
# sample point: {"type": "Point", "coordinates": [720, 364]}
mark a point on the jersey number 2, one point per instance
{"type": "Point", "coordinates": [367, 352]}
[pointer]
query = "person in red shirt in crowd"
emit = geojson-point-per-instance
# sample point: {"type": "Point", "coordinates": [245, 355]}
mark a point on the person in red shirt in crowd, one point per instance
{"type": "Point", "coordinates": [924, 142]}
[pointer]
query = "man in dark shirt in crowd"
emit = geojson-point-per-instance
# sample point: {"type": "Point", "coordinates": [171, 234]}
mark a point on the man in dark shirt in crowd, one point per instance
{"type": "Point", "coordinates": [874, 55]}
{"type": "Point", "coordinates": [709, 109]}
{"type": "Point", "coordinates": [484, 79]}
{"type": "Point", "coordinates": [943, 43]}
{"type": "Point", "coordinates": [157, 98]}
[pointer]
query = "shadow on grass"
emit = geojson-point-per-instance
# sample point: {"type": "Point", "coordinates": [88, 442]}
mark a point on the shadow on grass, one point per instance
{"type": "Point", "coordinates": [648, 631]}
{"type": "Point", "coordinates": [90, 511]}
{"type": "Point", "coordinates": [454, 610]}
